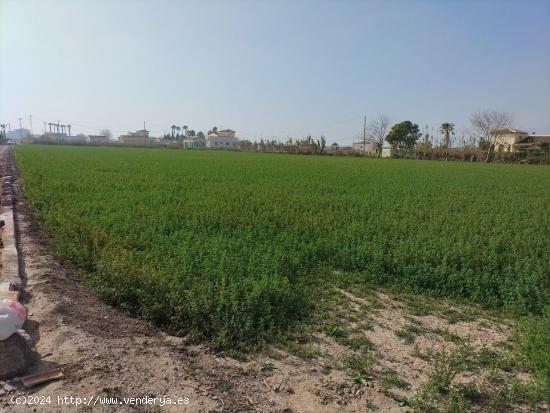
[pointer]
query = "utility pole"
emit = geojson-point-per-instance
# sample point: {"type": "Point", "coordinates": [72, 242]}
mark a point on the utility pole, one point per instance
{"type": "Point", "coordinates": [365, 134]}
{"type": "Point", "coordinates": [20, 130]}
{"type": "Point", "coordinates": [30, 121]}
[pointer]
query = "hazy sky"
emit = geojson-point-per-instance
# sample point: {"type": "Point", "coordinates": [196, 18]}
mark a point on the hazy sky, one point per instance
{"type": "Point", "coordinates": [272, 68]}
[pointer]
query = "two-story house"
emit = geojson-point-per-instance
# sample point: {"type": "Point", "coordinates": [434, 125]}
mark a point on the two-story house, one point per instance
{"type": "Point", "coordinates": [506, 139]}
{"type": "Point", "coordinates": [222, 139]}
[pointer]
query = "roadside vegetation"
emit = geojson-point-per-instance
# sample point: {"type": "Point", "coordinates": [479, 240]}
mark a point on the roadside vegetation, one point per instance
{"type": "Point", "coordinates": [236, 248]}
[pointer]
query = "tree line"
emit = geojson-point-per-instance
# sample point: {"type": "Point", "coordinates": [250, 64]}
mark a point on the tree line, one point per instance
{"type": "Point", "coordinates": [181, 132]}
{"type": "Point", "coordinates": [407, 141]}
{"type": "Point", "coordinates": [488, 128]}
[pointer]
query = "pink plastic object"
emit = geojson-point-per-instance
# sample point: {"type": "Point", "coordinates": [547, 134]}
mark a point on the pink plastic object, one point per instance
{"type": "Point", "coordinates": [12, 317]}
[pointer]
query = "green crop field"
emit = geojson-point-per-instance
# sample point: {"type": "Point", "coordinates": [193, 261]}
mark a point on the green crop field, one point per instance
{"type": "Point", "coordinates": [234, 247]}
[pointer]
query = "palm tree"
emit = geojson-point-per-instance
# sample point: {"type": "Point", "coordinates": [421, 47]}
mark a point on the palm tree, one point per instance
{"type": "Point", "coordinates": [447, 129]}
{"type": "Point", "coordinates": [69, 127]}
{"type": "Point", "coordinates": [178, 129]}
{"type": "Point", "coordinates": [185, 127]}
{"type": "Point", "coordinates": [173, 127]}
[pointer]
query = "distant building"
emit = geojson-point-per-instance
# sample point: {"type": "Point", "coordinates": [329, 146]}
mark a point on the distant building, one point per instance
{"type": "Point", "coordinates": [386, 152]}
{"type": "Point", "coordinates": [17, 135]}
{"type": "Point", "coordinates": [368, 148]}
{"type": "Point", "coordinates": [512, 140]}
{"type": "Point", "coordinates": [332, 149]}
{"type": "Point", "coordinates": [194, 142]}
{"type": "Point", "coordinates": [533, 141]}
{"type": "Point", "coordinates": [505, 139]}
{"type": "Point", "coordinates": [57, 136]}
{"type": "Point", "coordinates": [224, 138]}
{"type": "Point", "coordinates": [76, 139]}
{"type": "Point", "coordinates": [97, 139]}
{"type": "Point", "coordinates": [139, 138]}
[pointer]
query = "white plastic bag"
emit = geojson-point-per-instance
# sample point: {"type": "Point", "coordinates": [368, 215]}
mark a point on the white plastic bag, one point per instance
{"type": "Point", "coordinates": [12, 317]}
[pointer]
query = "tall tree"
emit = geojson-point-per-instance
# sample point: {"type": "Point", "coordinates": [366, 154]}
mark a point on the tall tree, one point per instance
{"type": "Point", "coordinates": [491, 126]}
{"type": "Point", "coordinates": [173, 127]}
{"type": "Point", "coordinates": [403, 136]}
{"type": "Point", "coordinates": [447, 129]}
{"type": "Point", "coordinates": [106, 132]}
{"type": "Point", "coordinates": [426, 140]}
{"type": "Point", "coordinates": [377, 130]}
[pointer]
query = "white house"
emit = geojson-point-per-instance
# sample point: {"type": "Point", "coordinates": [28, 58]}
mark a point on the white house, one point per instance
{"type": "Point", "coordinates": [194, 142]}
{"type": "Point", "coordinates": [222, 139]}
{"type": "Point", "coordinates": [386, 152]}
{"type": "Point", "coordinates": [366, 148]}
{"type": "Point", "coordinates": [506, 139]}
{"type": "Point", "coordinates": [511, 140]}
